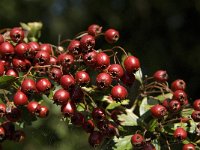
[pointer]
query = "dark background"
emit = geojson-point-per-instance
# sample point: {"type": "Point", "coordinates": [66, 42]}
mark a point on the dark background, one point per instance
{"type": "Point", "coordinates": [162, 34]}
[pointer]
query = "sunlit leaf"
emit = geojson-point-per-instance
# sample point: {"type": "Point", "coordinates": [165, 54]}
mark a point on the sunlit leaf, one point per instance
{"type": "Point", "coordinates": [128, 119]}
{"type": "Point", "coordinates": [162, 97]}
{"type": "Point", "coordinates": [123, 143]}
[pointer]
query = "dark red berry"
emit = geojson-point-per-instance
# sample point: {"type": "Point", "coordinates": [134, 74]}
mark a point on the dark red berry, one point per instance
{"type": "Point", "coordinates": [20, 98]}
{"type": "Point", "coordinates": [76, 94]}
{"type": "Point", "coordinates": [82, 78]}
{"type": "Point", "coordinates": [43, 111]}
{"type": "Point", "coordinates": [55, 74]}
{"type": "Point", "coordinates": [12, 72]}
{"type": "Point", "coordinates": [14, 114]}
{"type": "Point", "coordinates": [98, 114]}
{"type": "Point", "coordinates": [131, 64]}
{"type": "Point", "coordinates": [46, 47]}
{"type": "Point", "coordinates": [87, 43]}
{"type": "Point", "coordinates": [2, 134]}
{"type": "Point", "coordinates": [111, 36]}
{"type": "Point", "coordinates": [2, 109]}
{"type": "Point", "coordinates": [128, 79]}
{"type": "Point", "coordinates": [61, 97]}
{"type": "Point", "coordinates": [94, 29]}
{"type": "Point", "coordinates": [95, 138]}
{"type": "Point", "coordinates": [67, 82]}
{"type": "Point", "coordinates": [6, 49]}
{"type": "Point", "coordinates": [68, 109]}
{"type": "Point", "coordinates": [148, 146]}
{"type": "Point", "coordinates": [114, 115]}
{"type": "Point", "coordinates": [1, 38]}
{"type": "Point", "coordinates": [180, 133]}
{"type": "Point", "coordinates": [42, 57]}
{"type": "Point", "coordinates": [158, 111]}
{"type": "Point", "coordinates": [74, 47]}
{"type": "Point", "coordinates": [2, 68]}
{"type": "Point", "coordinates": [43, 85]}
{"type": "Point", "coordinates": [34, 47]}
{"type": "Point", "coordinates": [188, 146]}
{"type": "Point", "coordinates": [66, 60]}
{"type": "Point", "coordinates": [196, 104]}
{"type": "Point", "coordinates": [178, 85]}
{"type": "Point", "coordinates": [77, 119]}
{"type": "Point", "coordinates": [32, 107]}
{"type": "Point", "coordinates": [116, 71]}
{"type": "Point", "coordinates": [88, 126]}
{"type": "Point", "coordinates": [119, 93]}
{"type": "Point", "coordinates": [19, 64]}
{"type": "Point", "coordinates": [174, 106]}
{"type": "Point", "coordinates": [196, 115]}
{"type": "Point", "coordinates": [53, 60]}
{"type": "Point", "coordinates": [181, 96]}
{"type": "Point", "coordinates": [22, 49]}
{"type": "Point", "coordinates": [17, 34]}
{"type": "Point", "coordinates": [110, 130]}
{"type": "Point", "coordinates": [103, 80]}
{"type": "Point", "coordinates": [166, 103]}
{"type": "Point", "coordinates": [102, 61]}
{"type": "Point", "coordinates": [90, 58]}
{"type": "Point", "coordinates": [28, 86]}
{"type": "Point", "coordinates": [160, 76]}
{"type": "Point", "coordinates": [137, 139]}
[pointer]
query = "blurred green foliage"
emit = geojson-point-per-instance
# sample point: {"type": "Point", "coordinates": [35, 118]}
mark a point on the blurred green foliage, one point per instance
{"type": "Point", "coordinates": [163, 34]}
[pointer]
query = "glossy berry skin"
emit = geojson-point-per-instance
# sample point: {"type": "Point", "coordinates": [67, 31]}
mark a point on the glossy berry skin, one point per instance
{"type": "Point", "coordinates": [43, 111]}
{"type": "Point", "coordinates": [21, 49]}
{"type": "Point", "coordinates": [19, 64]}
{"type": "Point", "coordinates": [87, 43]}
{"type": "Point", "coordinates": [95, 138]}
{"type": "Point", "coordinates": [196, 104]}
{"type": "Point", "coordinates": [46, 47]}
{"type": "Point", "coordinates": [158, 111]}
{"type": "Point", "coordinates": [1, 38]}
{"type": "Point", "coordinates": [2, 134]}
{"type": "Point", "coordinates": [82, 78]}
{"type": "Point", "coordinates": [94, 29]}
{"type": "Point", "coordinates": [102, 61]}
{"type": "Point", "coordinates": [160, 76]}
{"type": "Point", "coordinates": [116, 71]}
{"type": "Point", "coordinates": [98, 114]}
{"type": "Point", "coordinates": [188, 146]}
{"type": "Point", "coordinates": [20, 98]}
{"type": "Point", "coordinates": [196, 115]}
{"type": "Point", "coordinates": [6, 49]}
{"type": "Point", "coordinates": [2, 68]}
{"type": "Point", "coordinates": [28, 86]}
{"type": "Point", "coordinates": [42, 57]}
{"type": "Point", "coordinates": [137, 139]}
{"type": "Point", "coordinates": [53, 60]}
{"type": "Point", "coordinates": [66, 60]}
{"type": "Point", "coordinates": [12, 72]}
{"type": "Point", "coordinates": [68, 109]}
{"type": "Point", "coordinates": [180, 133]}
{"type": "Point", "coordinates": [90, 58]}
{"type": "Point", "coordinates": [61, 97]}
{"type": "Point", "coordinates": [55, 74]}
{"type": "Point", "coordinates": [110, 130]}
{"type": "Point", "coordinates": [17, 34]}
{"type": "Point", "coordinates": [43, 85]}
{"type": "Point", "coordinates": [67, 82]}
{"type": "Point", "coordinates": [14, 115]}
{"type": "Point", "coordinates": [77, 119]}
{"type": "Point", "coordinates": [178, 85]}
{"type": "Point", "coordinates": [88, 126]}
{"type": "Point", "coordinates": [119, 93]}
{"type": "Point", "coordinates": [181, 96]}
{"type": "Point", "coordinates": [74, 47]}
{"type": "Point", "coordinates": [111, 36]}
{"type": "Point", "coordinates": [32, 107]}
{"type": "Point", "coordinates": [103, 80]}
{"type": "Point", "coordinates": [174, 106]}
{"type": "Point", "coordinates": [2, 109]}
{"type": "Point", "coordinates": [166, 102]}
{"type": "Point", "coordinates": [34, 47]}
{"type": "Point", "coordinates": [131, 64]}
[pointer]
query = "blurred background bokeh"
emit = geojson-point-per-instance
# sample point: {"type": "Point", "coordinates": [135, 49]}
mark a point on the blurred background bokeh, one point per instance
{"type": "Point", "coordinates": [163, 34]}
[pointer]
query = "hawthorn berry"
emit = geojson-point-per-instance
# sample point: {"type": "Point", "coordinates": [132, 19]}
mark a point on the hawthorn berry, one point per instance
{"type": "Point", "coordinates": [180, 133]}
{"type": "Point", "coordinates": [55, 74]}
{"type": "Point", "coordinates": [77, 119]}
{"type": "Point", "coordinates": [46, 47]}
{"type": "Point", "coordinates": [53, 60]}
{"type": "Point", "coordinates": [42, 57]}
{"type": "Point", "coordinates": [90, 58]}
{"type": "Point", "coordinates": [12, 72]}
{"type": "Point", "coordinates": [67, 82]}
{"type": "Point", "coordinates": [43, 85]}
{"type": "Point", "coordinates": [158, 111]}
{"type": "Point", "coordinates": [174, 106]}
{"type": "Point", "coordinates": [2, 68]}
{"type": "Point", "coordinates": [34, 47]}
{"type": "Point", "coordinates": [28, 86]}
{"type": "Point", "coordinates": [88, 126]}
{"type": "Point", "coordinates": [94, 29]}
{"type": "Point", "coordinates": [76, 94]}
{"type": "Point", "coordinates": [74, 47]}
{"type": "Point", "coordinates": [21, 49]}
{"type": "Point", "coordinates": [137, 139]}
{"type": "Point", "coordinates": [181, 96]}
{"type": "Point", "coordinates": [131, 64]}
{"type": "Point", "coordinates": [111, 36]}
{"type": "Point", "coordinates": [82, 78]}
{"type": "Point", "coordinates": [178, 85]}
{"type": "Point", "coordinates": [110, 130]}
{"type": "Point", "coordinates": [20, 98]}
{"type": "Point", "coordinates": [19, 64]}
{"type": "Point", "coordinates": [196, 104]}
{"type": "Point", "coordinates": [102, 61]}
{"type": "Point", "coordinates": [68, 109]}
{"type": "Point", "coordinates": [98, 114]}
{"type": "Point", "coordinates": [6, 49]}
{"type": "Point", "coordinates": [119, 93]}
{"type": "Point", "coordinates": [95, 138]}
{"type": "Point", "coordinates": [116, 71]}
{"type": "Point", "coordinates": [1, 38]}
{"type": "Point", "coordinates": [61, 97]}
{"type": "Point", "coordinates": [87, 43]}
{"type": "Point", "coordinates": [103, 80]}
{"type": "Point", "coordinates": [148, 146]}
{"type": "Point", "coordinates": [188, 146]}
{"type": "Point", "coordinates": [43, 111]}
{"type": "Point", "coordinates": [17, 34]}
{"type": "Point", "coordinates": [66, 60]}
{"type": "Point", "coordinates": [32, 107]}
{"type": "Point", "coordinates": [196, 115]}
{"type": "Point", "coordinates": [160, 76]}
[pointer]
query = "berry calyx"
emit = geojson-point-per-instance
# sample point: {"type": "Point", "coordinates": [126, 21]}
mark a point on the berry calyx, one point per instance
{"type": "Point", "coordinates": [17, 34]}
{"type": "Point", "coordinates": [188, 146]}
{"type": "Point", "coordinates": [137, 139]}
{"type": "Point", "coordinates": [94, 29]}
{"type": "Point", "coordinates": [180, 133]}
{"type": "Point", "coordinates": [103, 80]}
{"type": "Point", "coordinates": [160, 76]}
{"type": "Point", "coordinates": [116, 71]}
{"type": "Point", "coordinates": [119, 93]}
{"type": "Point", "coordinates": [178, 85]}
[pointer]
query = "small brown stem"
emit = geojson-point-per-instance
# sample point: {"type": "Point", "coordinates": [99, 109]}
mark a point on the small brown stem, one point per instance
{"type": "Point", "coordinates": [120, 48]}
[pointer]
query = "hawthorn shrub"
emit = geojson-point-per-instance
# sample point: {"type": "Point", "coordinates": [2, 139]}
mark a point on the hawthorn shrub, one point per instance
{"type": "Point", "coordinates": [102, 91]}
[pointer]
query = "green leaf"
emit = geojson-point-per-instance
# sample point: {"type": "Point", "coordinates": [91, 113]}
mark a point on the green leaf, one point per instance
{"type": "Point", "coordinates": [162, 97]}
{"type": "Point", "coordinates": [80, 107]}
{"type": "Point", "coordinates": [156, 144]}
{"type": "Point", "coordinates": [187, 112]}
{"type": "Point", "coordinates": [115, 104]}
{"type": "Point", "coordinates": [25, 26]}
{"type": "Point", "coordinates": [138, 75]}
{"type": "Point", "coordinates": [6, 81]}
{"type": "Point", "coordinates": [128, 119]}
{"type": "Point", "coordinates": [123, 143]}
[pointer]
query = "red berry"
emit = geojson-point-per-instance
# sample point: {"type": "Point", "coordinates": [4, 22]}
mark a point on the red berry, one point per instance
{"type": "Point", "coordinates": [42, 57]}
{"type": "Point", "coordinates": [1, 38]}
{"type": "Point", "coordinates": [33, 107]}
{"type": "Point", "coordinates": [103, 80]}
{"type": "Point", "coordinates": [178, 85]}
{"type": "Point", "coordinates": [43, 111]}
{"type": "Point", "coordinates": [181, 96]}
{"type": "Point", "coordinates": [158, 111]}
{"type": "Point", "coordinates": [131, 64]}
{"type": "Point", "coordinates": [19, 64]}
{"type": "Point", "coordinates": [14, 115]}
{"type": "Point", "coordinates": [95, 138]}
{"type": "Point", "coordinates": [55, 74]}
{"type": "Point", "coordinates": [148, 146]}
{"type": "Point", "coordinates": [6, 49]}
{"type": "Point", "coordinates": [88, 126]}
{"type": "Point", "coordinates": [119, 93]}
{"type": "Point", "coordinates": [28, 86]}
{"type": "Point", "coordinates": [90, 58]}
{"type": "Point", "coordinates": [61, 97]}
{"type": "Point", "coordinates": [68, 109]}
{"type": "Point", "coordinates": [166, 102]}
{"type": "Point", "coordinates": [12, 72]}
{"type": "Point", "coordinates": [102, 61]}
{"type": "Point", "coordinates": [76, 94]}
{"type": "Point", "coordinates": [17, 34]}
{"type": "Point", "coordinates": [43, 85]}
{"type": "Point", "coordinates": [46, 47]}
{"type": "Point", "coordinates": [87, 43]}
{"type": "Point", "coordinates": [110, 130]}
{"type": "Point", "coordinates": [137, 139]}
{"type": "Point", "coordinates": [2, 68]}
{"type": "Point", "coordinates": [82, 78]}
{"type": "Point", "coordinates": [116, 71]}
{"type": "Point", "coordinates": [196, 115]}
{"type": "Point", "coordinates": [196, 104]}
{"type": "Point", "coordinates": [188, 146]}
{"type": "Point", "coordinates": [22, 49]}
{"type": "Point", "coordinates": [98, 114]}
{"type": "Point", "coordinates": [34, 47]}
{"type": "Point", "coordinates": [111, 36]}
{"type": "Point", "coordinates": [2, 109]}
{"type": "Point", "coordinates": [53, 60]}
{"type": "Point", "coordinates": [20, 98]}
{"type": "Point", "coordinates": [66, 60]}
{"type": "Point", "coordinates": [74, 47]}
{"type": "Point", "coordinates": [94, 29]}
{"type": "Point", "coordinates": [67, 82]}
{"type": "Point", "coordinates": [77, 119]}
{"type": "Point", "coordinates": [160, 76]}
{"type": "Point", "coordinates": [2, 134]}
{"type": "Point", "coordinates": [174, 106]}
{"type": "Point", "coordinates": [180, 133]}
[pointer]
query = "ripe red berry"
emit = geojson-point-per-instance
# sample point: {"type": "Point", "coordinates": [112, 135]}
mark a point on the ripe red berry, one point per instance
{"type": "Point", "coordinates": [148, 146]}
{"type": "Point", "coordinates": [68, 109]}
{"type": "Point", "coordinates": [43, 111]}
{"type": "Point", "coordinates": [174, 106]}
{"type": "Point", "coordinates": [67, 82]}
{"type": "Point", "coordinates": [196, 115]}
{"type": "Point", "coordinates": [76, 94]}
{"type": "Point", "coordinates": [43, 85]}
{"type": "Point", "coordinates": [34, 47]}
{"type": "Point", "coordinates": [131, 64]}
{"type": "Point", "coordinates": [180, 133]}
{"type": "Point", "coordinates": [87, 43]}
{"type": "Point", "coordinates": [82, 78]}
{"type": "Point", "coordinates": [61, 97]}
{"type": "Point", "coordinates": [74, 47]}
{"type": "Point", "coordinates": [90, 58]}
{"type": "Point", "coordinates": [110, 130]}
{"type": "Point", "coordinates": [111, 36]}
{"type": "Point", "coordinates": [98, 114]}
{"type": "Point", "coordinates": [119, 93]}
{"type": "Point", "coordinates": [94, 29]}
{"type": "Point", "coordinates": [196, 104]}
{"type": "Point", "coordinates": [188, 146]}
{"type": "Point", "coordinates": [137, 139]}
{"type": "Point", "coordinates": [17, 34]}
{"type": "Point", "coordinates": [77, 119]}
{"type": "Point", "coordinates": [6, 49]}
{"type": "Point", "coordinates": [178, 85]}
{"type": "Point", "coordinates": [158, 111]}
{"type": "Point", "coordinates": [33, 107]}
{"type": "Point", "coordinates": [53, 60]}
{"type": "Point", "coordinates": [160, 76]}
{"type": "Point", "coordinates": [103, 80]}
{"type": "Point", "coordinates": [102, 61]}
{"type": "Point", "coordinates": [55, 74]}
{"type": "Point", "coordinates": [166, 102]}
{"type": "Point", "coordinates": [19, 63]}
{"type": "Point", "coordinates": [20, 98]}
{"type": "Point", "coordinates": [116, 71]}
{"type": "Point", "coordinates": [1, 38]}
{"type": "Point", "coordinates": [95, 138]}
{"type": "Point", "coordinates": [42, 57]}
{"type": "Point", "coordinates": [88, 126]}
{"type": "Point", "coordinates": [12, 72]}
{"type": "Point", "coordinates": [28, 86]}
{"type": "Point", "coordinates": [22, 49]}
{"type": "Point", "coordinates": [181, 96]}
{"type": "Point", "coordinates": [2, 109]}
{"type": "Point", "coordinates": [2, 68]}
{"type": "Point", "coordinates": [2, 134]}
{"type": "Point", "coordinates": [46, 47]}
{"type": "Point", "coordinates": [66, 60]}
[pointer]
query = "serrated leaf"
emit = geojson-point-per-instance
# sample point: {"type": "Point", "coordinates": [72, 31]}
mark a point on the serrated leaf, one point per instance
{"type": "Point", "coordinates": [6, 80]}
{"type": "Point", "coordinates": [123, 143]}
{"type": "Point", "coordinates": [115, 104]}
{"type": "Point", "coordinates": [187, 112]}
{"type": "Point", "coordinates": [128, 119]}
{"type": "Point", "coordinates": [162, 97]}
